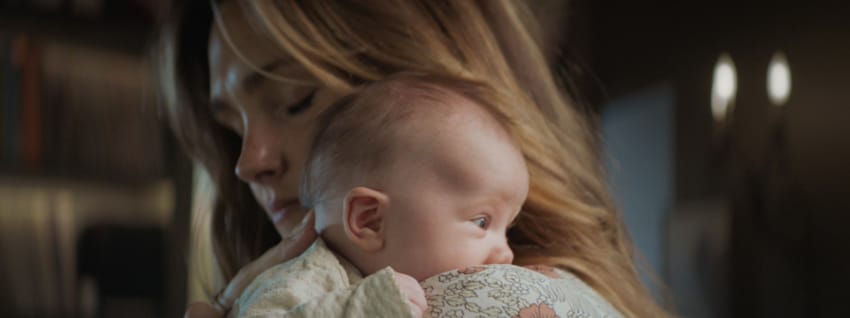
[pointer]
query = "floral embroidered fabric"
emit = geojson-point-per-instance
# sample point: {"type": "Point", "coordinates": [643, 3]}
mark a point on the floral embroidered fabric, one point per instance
{"type": "Point", "coordinates": [512, 291]}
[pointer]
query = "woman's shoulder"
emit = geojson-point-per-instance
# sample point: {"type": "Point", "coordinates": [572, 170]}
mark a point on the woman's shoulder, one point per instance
{"type": "Point", "coordinates": [513, 291]}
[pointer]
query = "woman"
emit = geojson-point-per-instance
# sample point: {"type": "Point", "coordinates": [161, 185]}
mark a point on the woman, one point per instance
{"type": "Point", "coordinates": [245, 80]}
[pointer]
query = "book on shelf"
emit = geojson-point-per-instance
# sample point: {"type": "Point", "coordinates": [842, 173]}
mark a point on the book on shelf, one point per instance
{"type": "Point", "coordinates": [4, 59]}
{"type": "Point", "coordinates": [11, 102]}
{"type": "Point", "coordinates": [78, 111]}
{"type": "Point", "coordinates": [31, 111]}
{"type": "Point", "coordinates": [21, 98]}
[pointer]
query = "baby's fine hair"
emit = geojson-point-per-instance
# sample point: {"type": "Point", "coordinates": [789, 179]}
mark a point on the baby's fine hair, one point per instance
{"type": "Point", "coordinates": [358, 134]}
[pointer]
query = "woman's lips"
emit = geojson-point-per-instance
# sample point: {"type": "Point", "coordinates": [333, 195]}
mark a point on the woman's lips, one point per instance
{"type": "Point", "coordinates": [279, 211]}
{"type": "Point", "coordinates": [280, 208]}
{"type": "Point", "coordinates": [277, 217]}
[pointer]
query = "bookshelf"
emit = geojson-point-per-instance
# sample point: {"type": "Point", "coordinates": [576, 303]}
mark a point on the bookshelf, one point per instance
{"type": "Point", "coordinates": [78, 112]}
{"type": "Point", "coordinates": [87, 165]}
{"type": "Point", "coordinates": [76, 91]}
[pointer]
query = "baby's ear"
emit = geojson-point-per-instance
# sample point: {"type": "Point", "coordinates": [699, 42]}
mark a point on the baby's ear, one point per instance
{"type": "Point", "coordinates": [363, 218]}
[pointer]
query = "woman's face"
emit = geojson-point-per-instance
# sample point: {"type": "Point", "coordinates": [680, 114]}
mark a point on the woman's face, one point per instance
{"type": "Point", "coordinates": [276, 120]}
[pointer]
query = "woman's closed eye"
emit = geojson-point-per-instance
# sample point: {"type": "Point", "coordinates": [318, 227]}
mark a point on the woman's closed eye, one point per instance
{"type": "Point", "coordinates": [227, 118]}
{"type": "Point", "coordinates": [302, 105]}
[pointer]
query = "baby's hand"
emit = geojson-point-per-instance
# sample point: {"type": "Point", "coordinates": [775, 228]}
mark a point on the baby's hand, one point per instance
{"type": "Point", "coordinates": [414, 293]}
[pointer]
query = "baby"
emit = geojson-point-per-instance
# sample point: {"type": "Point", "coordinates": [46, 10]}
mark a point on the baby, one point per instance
{"type": "Point", "coordinates": [411, 177]}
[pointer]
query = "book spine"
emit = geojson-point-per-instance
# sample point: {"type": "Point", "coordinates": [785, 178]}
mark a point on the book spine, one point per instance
{"type": "Point", "coordinates": [12, 120]}
{"type": "Point", "coordinates": [4, 66]}
{"type": "Point", "coordinates": [32, 119]}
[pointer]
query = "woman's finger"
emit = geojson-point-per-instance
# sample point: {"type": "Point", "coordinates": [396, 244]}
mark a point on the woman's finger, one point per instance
{"type": "Point", "coordinates": [202, 310]}
{"type": "Point", "coordinates": [290, 247]}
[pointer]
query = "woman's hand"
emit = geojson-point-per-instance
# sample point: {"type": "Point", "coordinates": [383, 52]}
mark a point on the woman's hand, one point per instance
{"type": "Point", "coordinates": [414, 293]}
{"type": "Point", "coordinates": [288, 248]}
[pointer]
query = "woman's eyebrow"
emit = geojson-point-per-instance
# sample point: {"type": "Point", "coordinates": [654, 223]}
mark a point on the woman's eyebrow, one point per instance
{"type": "Point", "coordinates": [255, 78]}
{"type": "Point", "coordinates": [217, 106]}
{"type": "Point", "coordinates": [249, 83]}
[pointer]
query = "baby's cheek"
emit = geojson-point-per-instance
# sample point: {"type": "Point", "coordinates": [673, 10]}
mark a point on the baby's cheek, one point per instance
{"type": "Point", "coordinates": [410, 261]}
{"type": "Point", "coordinates": [428, 266]}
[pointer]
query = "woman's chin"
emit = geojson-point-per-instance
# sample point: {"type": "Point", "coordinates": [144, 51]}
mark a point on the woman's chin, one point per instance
{"type": "Point", "coordinates": [290, 225]}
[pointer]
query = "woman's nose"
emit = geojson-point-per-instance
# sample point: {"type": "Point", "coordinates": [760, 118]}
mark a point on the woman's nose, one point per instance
{"type": "Point", "coordinates": [261, 158]}
{"type": "Point", "coordinates": [502, 254]}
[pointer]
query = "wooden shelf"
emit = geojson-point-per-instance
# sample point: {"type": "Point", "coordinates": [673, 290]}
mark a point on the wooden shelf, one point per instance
{"type": "Point", "coordinates": [127, 33]}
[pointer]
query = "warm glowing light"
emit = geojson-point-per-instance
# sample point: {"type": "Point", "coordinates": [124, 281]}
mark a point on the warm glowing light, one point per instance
{"type": "Point", "coordinates": [778, 79]}
{"type": "Point", "coordinates": [724, 87]}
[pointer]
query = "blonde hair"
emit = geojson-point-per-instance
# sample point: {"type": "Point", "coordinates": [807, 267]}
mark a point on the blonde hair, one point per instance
{"type": "Point", "coordinates": [569, 220]}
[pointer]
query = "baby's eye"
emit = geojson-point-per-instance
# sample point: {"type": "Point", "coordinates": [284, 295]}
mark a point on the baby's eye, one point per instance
{"type": "Point", "coordinates": [480, 222]}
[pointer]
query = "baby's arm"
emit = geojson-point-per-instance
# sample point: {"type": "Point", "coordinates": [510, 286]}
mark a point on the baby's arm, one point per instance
{"type": "Point", "coordinates": [382, 294]}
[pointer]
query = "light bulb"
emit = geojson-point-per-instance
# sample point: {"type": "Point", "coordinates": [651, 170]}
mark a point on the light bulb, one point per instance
{"type": "Point", "coordinates": [724, 87]}
{"type": "Point", "coordinates": [778, 79]}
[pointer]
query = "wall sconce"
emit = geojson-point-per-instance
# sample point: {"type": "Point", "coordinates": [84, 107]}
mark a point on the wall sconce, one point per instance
{"type": "Point", "coordinates": [724, 88]}
{"type": "Point", "coordinates": [778, 79]}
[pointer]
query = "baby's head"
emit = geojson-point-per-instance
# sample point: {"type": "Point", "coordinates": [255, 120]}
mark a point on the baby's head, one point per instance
{"type": "Point", "coordinates": [416, 172]}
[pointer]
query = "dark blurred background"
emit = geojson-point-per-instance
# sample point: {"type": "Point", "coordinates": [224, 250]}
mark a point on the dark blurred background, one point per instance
{"type": "Point", "coordinates": [725, 126]}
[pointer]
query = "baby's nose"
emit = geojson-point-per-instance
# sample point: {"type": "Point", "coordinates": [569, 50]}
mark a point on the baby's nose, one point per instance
{"type": "Point", "coordinates": [501, 255]}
